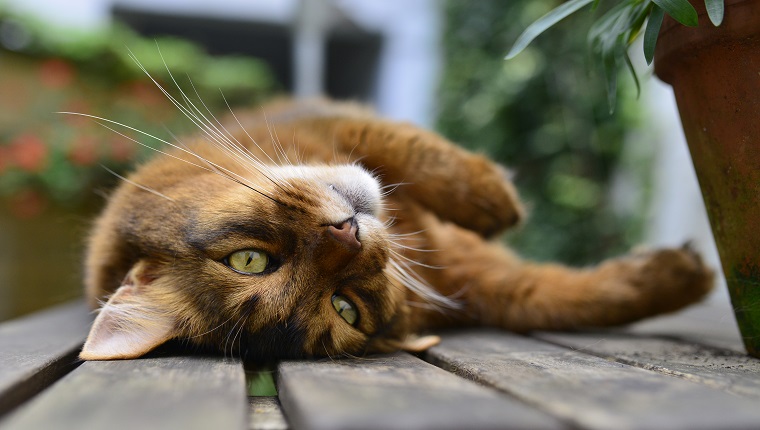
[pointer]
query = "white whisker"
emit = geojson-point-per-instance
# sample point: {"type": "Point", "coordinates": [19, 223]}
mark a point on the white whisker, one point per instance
{"type": "Point", "coordinates": [416, 263]}
{"type": "Point", "coordinates": [408, 278]}
{"type": "Point", "coordinates": [410, 248]}
{"type": "Point", "coordinates": [142, 187]}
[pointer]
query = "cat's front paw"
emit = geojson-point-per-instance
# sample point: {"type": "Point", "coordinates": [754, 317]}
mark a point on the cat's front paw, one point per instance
{"type": "Point", "coordinates": [668, 279]}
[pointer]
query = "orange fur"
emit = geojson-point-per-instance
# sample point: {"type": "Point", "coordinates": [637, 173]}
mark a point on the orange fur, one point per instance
{"type": "Point", "coordinates": [441, 207]}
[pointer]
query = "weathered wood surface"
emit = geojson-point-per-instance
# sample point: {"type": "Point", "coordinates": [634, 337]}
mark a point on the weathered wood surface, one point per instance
{"type": "Point", "coordinates": [711, 323]}
{"type": "Point", "coordinates": [686, 371]}
{"type": "Point", "coordinates": [397, 391]}
{"type": "Point", "coordinates": [38, 349]}
{"type": "Point", "coordinates": [724, 369]}
{"type": "Point", "coordinates": [151, 393]}
{"type": "Point", "coordinates": [588, 391]}
{"type": "Point", "coordinates": [265, 413]}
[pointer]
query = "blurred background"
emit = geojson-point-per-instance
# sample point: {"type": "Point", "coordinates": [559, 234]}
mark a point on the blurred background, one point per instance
{"type": "Point", "coordinates": [596, 183]}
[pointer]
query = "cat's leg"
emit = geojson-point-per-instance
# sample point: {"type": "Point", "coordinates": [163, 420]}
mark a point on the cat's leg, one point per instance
{"type": "Point", "coordinates": [456, 185]}
{"type": "Point", "coordinates": [499, 289]}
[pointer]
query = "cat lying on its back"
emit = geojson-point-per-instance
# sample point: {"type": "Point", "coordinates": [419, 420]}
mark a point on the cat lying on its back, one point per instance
{"type": "Point", "coordinates": [316, 229]}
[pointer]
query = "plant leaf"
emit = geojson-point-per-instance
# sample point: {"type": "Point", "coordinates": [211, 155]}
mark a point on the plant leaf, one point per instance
{"type": "Point", "coordinates": [652, 31]}
{"type": "Point", "coordinates": [610, 73]}
{"type": "Point", "coordinates": [629, 63]}
{"type": "Point", "coordinates": [715, 11]}
{"type": "Point", "coordinates": [681, 10]}
{"type": "Point", "coordinates": [542, 24]}
{"type": "Point", "coordinates": [639, 17]}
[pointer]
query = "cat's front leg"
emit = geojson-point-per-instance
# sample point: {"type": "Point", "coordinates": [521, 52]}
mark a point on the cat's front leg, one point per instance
{"type": "Point", "coordinates": [424, 168]}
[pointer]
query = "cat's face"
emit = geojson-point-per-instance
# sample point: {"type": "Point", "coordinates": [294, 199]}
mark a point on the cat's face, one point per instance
{"type": "Point", "coordinates": [289, 264]}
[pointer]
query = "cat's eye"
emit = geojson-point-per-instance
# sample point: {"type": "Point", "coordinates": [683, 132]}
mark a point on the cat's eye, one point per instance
{"type": "Point", "coordinates": [345, 309]}
{"type": "Point", "coordinates": [248, 261]}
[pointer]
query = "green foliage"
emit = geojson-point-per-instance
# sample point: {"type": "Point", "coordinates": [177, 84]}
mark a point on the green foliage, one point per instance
{"type": "Point", "coordinates": [543, 115]}
{"type": "Point", "coordinates": [613, 33]}
{"type": "Point", "coordinates": [48, 158]}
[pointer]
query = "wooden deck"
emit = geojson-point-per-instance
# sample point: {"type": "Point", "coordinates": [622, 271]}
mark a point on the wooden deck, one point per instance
{"type": "Point", "coordinates": [686, 371]}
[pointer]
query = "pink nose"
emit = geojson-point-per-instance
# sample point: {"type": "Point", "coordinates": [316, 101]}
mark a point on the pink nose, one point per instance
{"type": "Point", "coordinates": [346, 233]}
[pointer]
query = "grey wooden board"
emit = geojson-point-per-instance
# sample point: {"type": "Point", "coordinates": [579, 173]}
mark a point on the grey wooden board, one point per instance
{"type": "Point", "coordinates": [397, 391]}
{"type": "Point", "coordinates": [38, 349]}
{"type": "Point", "coordinates": [265, 414]}
{"type": "Point", "coordinates": [152, 393]}
{"type": "Point", "coordinates": [589, 391]}
{"type": "Point", "coordinates": [731, 371]}
{"type": "Point", "coordinates": [709, 323]}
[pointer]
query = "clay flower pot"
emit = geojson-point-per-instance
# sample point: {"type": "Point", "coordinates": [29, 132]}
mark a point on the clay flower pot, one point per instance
{"type": "Point", "coordinates": [715, 74]}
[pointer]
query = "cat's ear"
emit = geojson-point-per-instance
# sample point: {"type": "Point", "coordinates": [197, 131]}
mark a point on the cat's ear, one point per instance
{"type": "Point", "coordinates": [413, 343]}
{"type": "Point", "coordinates": [130, 324]}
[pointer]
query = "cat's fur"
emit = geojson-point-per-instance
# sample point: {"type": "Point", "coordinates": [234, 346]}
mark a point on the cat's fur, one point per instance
{"type": "Point", "coordinates": [425, 211]}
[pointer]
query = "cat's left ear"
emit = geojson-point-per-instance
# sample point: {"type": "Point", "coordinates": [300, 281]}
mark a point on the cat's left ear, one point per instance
{"type": "Point", "coordinates": [130, 324]}
{"type": "Point", "coordinates": [414, 343]}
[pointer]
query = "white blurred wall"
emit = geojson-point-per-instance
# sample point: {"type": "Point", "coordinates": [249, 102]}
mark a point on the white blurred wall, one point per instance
{"type": "Point", "coordinates": [678, 213]}
{"type": "Point", "coordinates": [409, 60]}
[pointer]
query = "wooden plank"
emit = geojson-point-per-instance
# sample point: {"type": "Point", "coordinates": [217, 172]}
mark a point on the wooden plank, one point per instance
{"type": "Point", "coordinates": [152, 393]}
{"type": "Point", "coordinates": [719, 368]}
{"type": "Point", "coordinates": [589, 391]}
{"type": "Point", "coordinates": [710, 323]}
{"type": "Point", "coordinates": [265, 414]}
{"type": "Point", "coordinates": [38, 349]}
{"type": "Point", "coordinates": [396, 391]}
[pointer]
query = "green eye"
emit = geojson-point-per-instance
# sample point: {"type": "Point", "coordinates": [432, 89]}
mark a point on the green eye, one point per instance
{"type": "Point", "coordinates": [248, 261]}
{"type": "Point", "coordinates": [345, 308]}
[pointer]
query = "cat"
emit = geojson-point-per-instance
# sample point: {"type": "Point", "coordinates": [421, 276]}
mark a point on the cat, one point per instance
{"type": "Point", "coordinates": [314, 228]}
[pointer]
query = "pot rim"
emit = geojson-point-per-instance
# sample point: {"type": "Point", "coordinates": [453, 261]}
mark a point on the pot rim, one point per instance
{"type": "Point", "coordinates": [677, 42]}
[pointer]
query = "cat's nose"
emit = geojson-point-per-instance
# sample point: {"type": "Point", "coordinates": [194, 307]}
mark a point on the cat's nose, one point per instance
{"type": "Point", "coordinates": [347, 233]}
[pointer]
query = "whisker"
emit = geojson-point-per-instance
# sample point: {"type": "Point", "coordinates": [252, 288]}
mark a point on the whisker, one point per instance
{"type": "Point", "coordinates": [416, 263]}
{"type": "Point", "coordinates": [278, 149]}
{"type": "Point", "coordinates": [227, 173]}
{"type": "Point", "coordinates": [226, 141]}
{"type": "Point", "coordinates": [408, 278]}
{"type": "Point", "coordinates": [411, 248]}
{"type": "Point", "coordinates": [142, 187]}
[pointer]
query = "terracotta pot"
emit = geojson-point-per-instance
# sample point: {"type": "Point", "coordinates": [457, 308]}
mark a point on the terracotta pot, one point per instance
{"type": "Point", "coordinates": [715, 74]}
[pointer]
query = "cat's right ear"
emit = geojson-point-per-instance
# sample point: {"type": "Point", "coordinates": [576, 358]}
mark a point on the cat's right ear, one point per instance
{"type": "Point", "coordinates": [130, 324]}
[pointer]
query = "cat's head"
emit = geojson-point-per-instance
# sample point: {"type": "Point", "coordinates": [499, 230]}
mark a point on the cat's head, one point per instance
{"type": "Point", "coordinates": [272, 262]}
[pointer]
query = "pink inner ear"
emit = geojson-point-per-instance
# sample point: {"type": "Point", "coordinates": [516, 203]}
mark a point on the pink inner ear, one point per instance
{"type": "Point", "coordinates": [127, 326]}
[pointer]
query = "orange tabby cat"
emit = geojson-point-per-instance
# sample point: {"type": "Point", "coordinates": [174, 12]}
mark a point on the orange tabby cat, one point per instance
{"type": "Point", "coordinates": [316, 229]}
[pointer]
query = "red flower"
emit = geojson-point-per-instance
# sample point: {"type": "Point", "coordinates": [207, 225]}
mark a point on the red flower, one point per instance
{"type": "Point", "coordinates": [146, 93]}
{"type": "Point", "coordinates": [122, 150]}
{"type": "Point", "coordinates": [27, 204]}
{"type": "Point", "coordinates": [28, 152]}
{"type": "Point", "coordinates": [56, 73]}
{"type": "Point", "coordinates": [84, 151]}
{"type": "Point", "coordinates": [78, 106]}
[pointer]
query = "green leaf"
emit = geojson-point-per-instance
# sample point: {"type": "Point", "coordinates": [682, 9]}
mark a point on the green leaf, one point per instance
{"type": "Point", "coordinates": [610, 72]}
{"type": "Point", "coordinates": [680, 10]}
{"type": "Point", "coordinates": [629, 63]}
{"type": "Point", "coordinates": [542, 24]}
{"type": "Point", "coordinates": [652, 31]}
{"type": "Point", "coordinates": [715, 11]}
{"type": "Point", "coordinates": [639, 17]}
